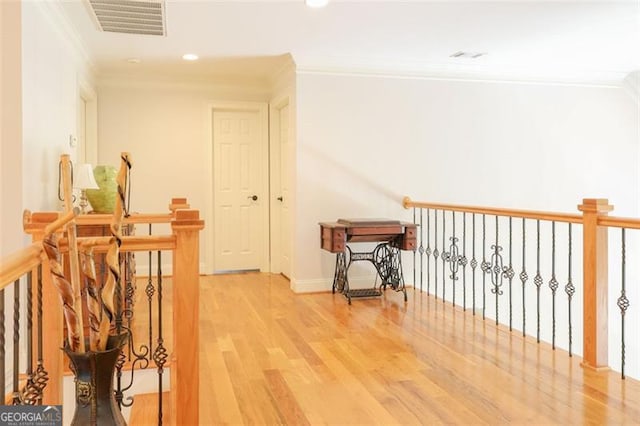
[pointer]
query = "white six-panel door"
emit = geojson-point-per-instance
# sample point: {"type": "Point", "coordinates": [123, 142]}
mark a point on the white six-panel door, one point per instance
{"type": "Point", "coordinates": [240, 188]}
{"type": "Point", "coordinates": [285, 193]}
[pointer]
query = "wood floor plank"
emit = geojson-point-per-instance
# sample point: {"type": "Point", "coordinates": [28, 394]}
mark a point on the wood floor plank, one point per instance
{"type": "Point", "coordinates": [144, 411]}
{"type": "Point", "coordinates": [270, 356]}
{"type": "Point", "coordinates": [284, 399]}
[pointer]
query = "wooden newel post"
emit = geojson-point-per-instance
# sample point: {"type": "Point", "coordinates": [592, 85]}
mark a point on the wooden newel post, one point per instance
{"type": "Point", "coordinates": [595, 275]}
{"type": "Point", "coordinates": [186, 284]}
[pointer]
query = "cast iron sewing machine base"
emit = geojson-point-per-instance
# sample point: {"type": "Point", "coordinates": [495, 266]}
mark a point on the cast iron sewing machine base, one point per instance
{"type": "Point", "coordinates": [387, 261]}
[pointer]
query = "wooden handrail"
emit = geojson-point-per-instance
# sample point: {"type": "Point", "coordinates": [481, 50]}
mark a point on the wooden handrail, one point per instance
{"type": "Point", "coordinates": [129, 243]}
{"type": "Point", "coordinates": [34, 223]}
{"type": "Point", "coordinates": [27, 259]}
{"type": "Point", "coordinates": [619, 222]}
{"type": "Point", "coordinates": [19, 263]}
{"type": "Point", "coordinates": [61, 221]}
{"type": "Point", "coordinates": [134, 218]}
{"type": "Point", "coordinates": [610, 221]}
{"type": "Point", "coordinates": [527, 214]}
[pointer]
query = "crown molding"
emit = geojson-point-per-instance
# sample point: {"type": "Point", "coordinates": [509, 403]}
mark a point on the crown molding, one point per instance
{"type": "Point", "coordinates": [471, 73]}
{"type": "Point", "coordinates": [53, 12]}
{"type": "Point", "coordinates": [284, 73]}
{"type": "Point", "coordinates": [256, 88]}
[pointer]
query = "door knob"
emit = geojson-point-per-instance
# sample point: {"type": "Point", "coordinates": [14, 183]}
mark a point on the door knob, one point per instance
{"type": "Point", "coordinates": [279, 198]}
{"type": "Point", "coordinates": [253, 197]}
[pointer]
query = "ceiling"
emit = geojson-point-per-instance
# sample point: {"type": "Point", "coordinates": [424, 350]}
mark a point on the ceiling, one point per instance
{"type": "Point", "coordinates": [576, 41]}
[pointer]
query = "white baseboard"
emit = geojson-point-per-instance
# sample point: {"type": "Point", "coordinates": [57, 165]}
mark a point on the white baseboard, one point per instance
{"type": "Point", "coordinates": [310, 286]}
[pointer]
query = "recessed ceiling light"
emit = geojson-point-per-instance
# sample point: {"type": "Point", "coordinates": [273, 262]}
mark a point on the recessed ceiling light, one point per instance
{"type": "Point", "coordinates": [316, 3]}
{"type": "Point", "coordinates": [472, 55]}
{"type": "Point", "coordinates": [133, 60]}
{"type": "Point", "coordinates": [190, 57]}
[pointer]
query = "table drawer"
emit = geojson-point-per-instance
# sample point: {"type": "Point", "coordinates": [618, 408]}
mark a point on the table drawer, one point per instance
{"type": "Point", "coordinates": [333, 239]}
{"type": "Point", "coordinates": [409, 238]}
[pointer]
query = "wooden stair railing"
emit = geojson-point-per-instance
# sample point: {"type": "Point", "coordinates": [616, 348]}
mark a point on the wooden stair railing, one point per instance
{"type": "Point", "coordinates": [183, 241]}
{"type": "Point", "coordinates": [595, 223]}
{"type": "Point", "coordinates": [28, 262]}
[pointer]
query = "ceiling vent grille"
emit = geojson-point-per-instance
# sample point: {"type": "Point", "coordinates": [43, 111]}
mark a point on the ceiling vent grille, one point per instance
{"type": "Point", "coordinates": [130, 16]}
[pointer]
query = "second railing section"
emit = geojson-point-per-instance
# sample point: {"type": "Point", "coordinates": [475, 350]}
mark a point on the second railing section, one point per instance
{"type": "Point", "coordinates": [526, 271]}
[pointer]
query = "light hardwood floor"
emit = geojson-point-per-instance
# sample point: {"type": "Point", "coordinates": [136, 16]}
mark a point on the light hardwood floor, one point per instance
{"type": "Point", "coordinates": [269, 356]}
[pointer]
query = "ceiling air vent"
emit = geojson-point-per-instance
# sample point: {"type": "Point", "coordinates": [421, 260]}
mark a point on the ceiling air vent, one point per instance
{"type": "Point", "coordinates": [130, 16]}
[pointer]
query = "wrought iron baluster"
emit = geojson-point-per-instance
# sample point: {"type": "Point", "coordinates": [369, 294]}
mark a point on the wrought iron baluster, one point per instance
{"type": "Point", "coordinates": [497, 269]}
{"type": "Point", "coordinates": [29, 394]}
{"type": "Point", "coordinates": [41, 376]}
{"type": "Point", "coordinates": [538, 280]}
{"type": "Point", "coordinates": [160, 354]}
{"type": "Point", "coordinates": [553, 285]}
{"type": "Point", "coordinates": [16, 343]}
{"type": "Point", "coordinates": [570, 290]}
{"type": "Point", "coordinates": [523, 276]}
{"type": "Point", "coordinates": [150, 291]}
{"type": "Point", "coordinates": [140, 357]}
{"type": "Point", "coordinates": [510, 273]}
{"type": "Point", "coordinates": [485, 266]}
{"type": "Point", "coordinates": [428, 250]}
{"type": "Point", "coordinates": [474, 262]}
{"type": "Point", "coordinates": [130, 288]}
{"type": "Point", "coordinates": [463, 261]}
{"type": "Point", "coordinates": [414, 253]}
{"type": "Point", "coordinates": [623, 302]}
{"type": "Point", "coordinates": [421, 250]}
{"type": "Point", "coordinates": [443, 255]}
{"type": "Point", "coordinates": [436, 253]}
{"type": "Point", "coordinates": [455, 258]}
{"type": "Point", "coordinates": [118, 296]}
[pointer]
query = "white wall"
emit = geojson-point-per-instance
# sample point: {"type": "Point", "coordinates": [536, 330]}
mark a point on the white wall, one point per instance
{"type": "Point", "coordinates": [52, 69]}
{"type": "Point", "coordinates": [165, 127]}
{"type": "Point", "coordinates": [10, 128]}
{"type": "Point", "coordinates": [365, 142]}
{"type": "Point", "coordinates": [41, 70]}
{"type": "Point", "coordinates": [38, 88]}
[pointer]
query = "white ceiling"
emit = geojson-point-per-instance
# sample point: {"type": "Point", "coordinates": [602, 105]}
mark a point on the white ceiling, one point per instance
{"type": "Point", "coordinates": [544, 40]}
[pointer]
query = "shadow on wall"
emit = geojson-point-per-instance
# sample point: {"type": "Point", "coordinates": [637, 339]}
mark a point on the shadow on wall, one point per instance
{"type": "Point", "coordinates": [632, 85]}
{"type": "Point", "coordinates": [347, 173]}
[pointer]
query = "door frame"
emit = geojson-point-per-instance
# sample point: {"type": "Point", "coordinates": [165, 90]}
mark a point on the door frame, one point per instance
{"type": "Point", "coordinates": [275, 109]}
{"type": "Point", "coordinates": [262, 108]}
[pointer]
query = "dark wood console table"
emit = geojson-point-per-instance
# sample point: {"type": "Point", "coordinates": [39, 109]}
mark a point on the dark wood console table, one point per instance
{"type": "Point", "coordinates": [392, 236]}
